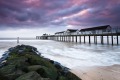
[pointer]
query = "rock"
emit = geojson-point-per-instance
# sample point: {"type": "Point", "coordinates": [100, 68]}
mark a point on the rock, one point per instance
{"type": "Point", "coordinates": [15, 75]}
{"type": "Point", "coordinates": [23, 62]}
{"type": "Point", "coordinates": [30, 76]}
{"type": "Point", "coordinates": [62, 78]}
{"type": "Point", "coordinates": [71, 76]}
{"type": "Point", "coordinates": [2, 77]}
{"type": "Point", "coordinates": [19, 62]}
{"type": "Point", "coordinates": [61, 69]}
{"type": "Point", "coordinates": [7, 69]}
{"type": "Point", "coordinates": [4, 56]}
{"type": "Point", "coordinates": [11, 49]}
{"type": "Point", "coordinates": [6, 53]}
{"type": "Point", "coordinates": [34, 67]}
{"type": "Point", "coordinates": [51, 61]}
{"type": "Point", "coordinates": [49, 70]}
{"type": "Point", "coordinates": [45, 79]}
{"type": "Point", "coordinates": [58, 66]}
{"type": "Point", "coordinates": [22, 49]}
{"type": "Point", "coordinates": [10, 72]}
{"type": "Point", "coordinates": [47, 73]}
{"type": "Point", "coordinates": [3, 62]}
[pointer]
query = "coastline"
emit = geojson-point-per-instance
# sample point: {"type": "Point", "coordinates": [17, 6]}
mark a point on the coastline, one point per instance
{"type": "Point", "coordinates": [24, 62]}
{"type": "Point", "coordinates": [66, 59]}
{"type": "Point", "coordinates": [98, 72]}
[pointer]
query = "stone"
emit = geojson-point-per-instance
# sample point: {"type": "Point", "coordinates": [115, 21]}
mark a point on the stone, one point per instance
{"type": "Point", "coordinates": [10, 72]}
{"type": "Point", "coordinates": [71, 76]}
{"type": "Point", "coordinates": [47, 73]}
{"type": "Point", "coordinates": [30, 76]}
{"type": "Point", "coordinates": [24, 63]}
{"type": "Point", "coordinates": [34, 67]}
{"type": "Point", "coordinates": [62, 78]}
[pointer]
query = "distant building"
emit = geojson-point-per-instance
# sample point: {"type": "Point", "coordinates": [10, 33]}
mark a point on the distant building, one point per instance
{"type": "Point", "coordinates": [44, 36]}
{"type": "Point", "coordinates": [115, 30]}
{"type": "Point", "coordinates": [96, 30]}
{"type": "Point", "coordinates": [72, 32]}
{"type": "Point", "coordinates": [68, 32]}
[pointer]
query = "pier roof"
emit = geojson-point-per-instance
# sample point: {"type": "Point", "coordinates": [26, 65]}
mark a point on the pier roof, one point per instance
{"type": "Point", "coordinates": [59, 32]}
{"type": "Point", "coordinates": [45, 34]}
{"type": "Point", "coordinates": [72, 30]}
{"type": "Point", "coordinates": [96, 28]}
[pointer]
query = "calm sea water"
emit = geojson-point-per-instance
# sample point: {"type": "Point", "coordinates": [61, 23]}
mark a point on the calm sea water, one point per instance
{"type": "Point", "coordinates": [71, 54]}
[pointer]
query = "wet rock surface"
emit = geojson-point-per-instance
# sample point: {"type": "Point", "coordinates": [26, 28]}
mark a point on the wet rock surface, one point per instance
{"type": "Point", "coordinates": [24, 62]}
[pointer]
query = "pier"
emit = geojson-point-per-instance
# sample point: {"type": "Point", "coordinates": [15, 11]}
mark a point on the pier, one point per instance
{"type": "Point", "coordinates": [74, 38]}
{"type": "Point", "coordinates": [94, 34]}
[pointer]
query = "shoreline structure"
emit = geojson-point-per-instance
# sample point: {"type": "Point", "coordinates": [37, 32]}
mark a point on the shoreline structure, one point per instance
{"type": "Point", "coordinates": [24, 62]}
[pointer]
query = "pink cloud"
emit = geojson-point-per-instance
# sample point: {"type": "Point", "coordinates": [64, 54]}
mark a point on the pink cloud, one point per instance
{"type": "Point", "coordinates": [64, 12]}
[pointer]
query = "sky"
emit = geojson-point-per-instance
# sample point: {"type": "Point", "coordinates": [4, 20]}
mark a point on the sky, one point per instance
{"type": "Point", "coordinates": [30, 18]}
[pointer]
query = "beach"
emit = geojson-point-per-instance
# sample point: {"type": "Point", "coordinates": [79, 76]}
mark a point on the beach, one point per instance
{"type": "Point", "coordinates": [89, 62]}
{"type": "Point", "coordinates": [98, 73]}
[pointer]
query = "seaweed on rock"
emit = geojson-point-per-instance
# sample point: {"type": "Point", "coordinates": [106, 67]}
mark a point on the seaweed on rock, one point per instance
{"type": "Point", "coordinates": [24, 62]}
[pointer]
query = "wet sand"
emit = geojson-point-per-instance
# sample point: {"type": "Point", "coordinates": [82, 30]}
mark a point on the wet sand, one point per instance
{"type": "Point", "coordinates": [98, 73]}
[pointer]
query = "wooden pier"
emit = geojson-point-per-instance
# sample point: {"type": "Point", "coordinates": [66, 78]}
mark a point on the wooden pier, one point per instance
{"type": "Point", "coordinates": [112, 36]}
{"type": "Point", "coordinates": [74, 38]}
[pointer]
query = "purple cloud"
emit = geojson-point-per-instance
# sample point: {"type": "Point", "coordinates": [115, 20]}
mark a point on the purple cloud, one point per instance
{"type": "Point", "coordinates": [45, 13]}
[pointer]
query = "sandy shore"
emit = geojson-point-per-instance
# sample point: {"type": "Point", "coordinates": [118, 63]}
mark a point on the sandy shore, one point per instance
{"type": "Point", "coordinates": [98, 73]}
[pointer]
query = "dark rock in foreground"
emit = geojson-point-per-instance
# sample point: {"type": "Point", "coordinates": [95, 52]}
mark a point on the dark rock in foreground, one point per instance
{"type": "Point", "coordinates": [25, 63]}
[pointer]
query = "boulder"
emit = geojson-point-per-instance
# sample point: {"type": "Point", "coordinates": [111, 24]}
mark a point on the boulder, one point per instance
{"type": "Point", "coordinates": [47, 73]}
{"type": "Point", "coordinates": [62, 78]}
{"type": "Point", "coordinates": [34, 67]}
{"type": "Point", "coordinates": [2, 77]}
{"type": "Point", "coordinates": [30, 76]}
{"type": "Point", "coordinates": [19, 62]}
{"type": "Point", "coordinates": [7, 69]}
{"type": "Point", "coordinates": [50, 70]}
{"type": "Point", "coordinates": [20, 49]}
{"type": "Point", "coordinates": [14, 75]}
{"type": "Point", "coordinates": [71, 76]}
{"type": "Point", "coordinates": [10, 72]}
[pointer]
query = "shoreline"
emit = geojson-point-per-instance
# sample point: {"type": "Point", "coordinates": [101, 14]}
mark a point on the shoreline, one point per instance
{"type": "Point", "coordinates": [24, 62]}
{"type": "Point", "coordinates": [98, 72]}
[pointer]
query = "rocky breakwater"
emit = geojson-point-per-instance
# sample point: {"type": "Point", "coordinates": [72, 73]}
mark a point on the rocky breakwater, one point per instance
{"type": "Point", "coordinates": [24, 62]}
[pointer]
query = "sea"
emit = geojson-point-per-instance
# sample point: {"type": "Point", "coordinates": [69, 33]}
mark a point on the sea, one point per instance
{"type": "Point", "coordinates": [71, 54]}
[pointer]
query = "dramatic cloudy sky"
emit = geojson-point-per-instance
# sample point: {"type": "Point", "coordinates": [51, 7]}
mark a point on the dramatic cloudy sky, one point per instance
{"type": "Point", "coordinates": [28, 18]}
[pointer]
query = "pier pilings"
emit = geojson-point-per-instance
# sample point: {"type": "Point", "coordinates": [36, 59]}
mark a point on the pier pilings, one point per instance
{"type": "Point", "coordinates": [83, 38]}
